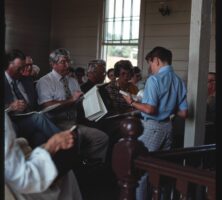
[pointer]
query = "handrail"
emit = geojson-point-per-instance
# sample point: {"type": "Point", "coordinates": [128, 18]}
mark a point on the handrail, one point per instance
{"type": "Point", "coordinates": [200, 176]}
{"type": "Point", "coordinates": [185, 150]}
{"type": "Point", "coordinates": [184, 175]}
{"type": "Point", "coordinates": [131, 160]}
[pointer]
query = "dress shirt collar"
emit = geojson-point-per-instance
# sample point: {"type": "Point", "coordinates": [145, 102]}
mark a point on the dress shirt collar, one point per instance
{"type": "Point", "coordinates": [10, 80]}
{"type": "Point", "coordinates": [56, 75]}
{"type": "Point", "coordinates": [165, 68]}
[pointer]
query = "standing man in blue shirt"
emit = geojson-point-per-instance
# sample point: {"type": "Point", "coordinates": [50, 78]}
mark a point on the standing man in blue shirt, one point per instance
{"type": "Point", "coordinates": [164, 95]}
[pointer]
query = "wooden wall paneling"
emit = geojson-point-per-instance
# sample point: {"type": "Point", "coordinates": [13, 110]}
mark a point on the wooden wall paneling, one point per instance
{"type": "Point", "coordinates": [28, 29]}
{"type": "Point", "coordinates": [78, 22]}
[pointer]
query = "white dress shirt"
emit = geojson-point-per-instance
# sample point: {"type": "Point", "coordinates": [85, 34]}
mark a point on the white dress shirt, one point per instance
{"type": "Point", "coordinates": [32, 179]}
{"type": "Point", "coordinates": [26, 176]}
{"type": "Point", "coordinates": [50, 87]}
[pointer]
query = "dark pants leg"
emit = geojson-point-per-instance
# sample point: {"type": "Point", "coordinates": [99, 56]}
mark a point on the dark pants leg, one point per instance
{"type": "Point", "coordinates": [66, 160]}
{"type": "Point", "coordinates": [36, 128]}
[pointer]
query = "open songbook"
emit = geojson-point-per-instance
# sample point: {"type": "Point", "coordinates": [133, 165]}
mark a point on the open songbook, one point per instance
{"type": "Point", "coordinates": [131, 113]}
{"type": "Point", "coordinates": [93, 105]}
{"type": "Point", "coordinates": [135, 98]}
{"type": "Point", "coordinates": [47, 109]}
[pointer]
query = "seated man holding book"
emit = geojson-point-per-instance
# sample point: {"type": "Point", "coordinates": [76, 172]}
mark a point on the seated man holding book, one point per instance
{"type": "Point", "coordinates": [96, 74]}
{"type": "Point", "coordinates": [20, 97]}
{"type": "Point", "coordinates": [32, 174]}
{"type": "Point", "coordinates": [58, 87]}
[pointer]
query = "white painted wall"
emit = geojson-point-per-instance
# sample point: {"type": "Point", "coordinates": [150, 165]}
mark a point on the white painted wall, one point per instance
{"type": "Point", "coordinates": [172, 32]}
{"type": "Point", "coordinates": [28, 29]}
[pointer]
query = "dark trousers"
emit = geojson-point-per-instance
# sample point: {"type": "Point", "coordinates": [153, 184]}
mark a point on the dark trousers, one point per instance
{"type": "Point", "coordinates": [36, 128]}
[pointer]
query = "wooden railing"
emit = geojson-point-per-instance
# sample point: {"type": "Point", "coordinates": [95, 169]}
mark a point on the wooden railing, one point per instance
{"type": "Point", "coordinates": [186, 169]}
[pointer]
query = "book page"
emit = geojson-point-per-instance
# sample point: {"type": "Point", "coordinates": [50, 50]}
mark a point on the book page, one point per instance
{"type": "Point", "coordinates": [103, 107]}
{"type": "Point", "coordinates": [47, 109]}
{"type": "Point", "coordinates": [25, 114]}
{"type": "Point", "coordinates": [52, 107]}
{"type": "Point", "coordinates": [131, 113]}
{"type": "Point", "coordinates": [134, 97]}
{"type": "Point", "coordinates": [93, 105]}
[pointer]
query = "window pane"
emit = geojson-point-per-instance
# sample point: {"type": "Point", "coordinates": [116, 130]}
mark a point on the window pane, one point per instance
{"type": "Point", "coordinates": [118, 10]}
{"type": "Point", "coordinates": [122, 27]}
{"type": "Point", "coordinates": [110, 9]}
{"type": "Point", "coordinates": [108, 31]}
{"type": "Point", "coordinates": [112, 54]}
{"type": "Point", "coordinates": [121, 31]}
{"type": "Point", "coordinates": [135, 29]}
{"type": "Point", "coordinates": [126, 30]}
{"type": "Point", "coordinates": [136, 8]}
{"type": "Point", "coordinates": [127, 8]}
{"type": "Point", "coordinates": [118, 28]}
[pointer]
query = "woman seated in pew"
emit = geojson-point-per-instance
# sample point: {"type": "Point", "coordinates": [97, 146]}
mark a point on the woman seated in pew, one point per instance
{"type": "Point", "coordinates": [123, 72]}
{"type": "Point", "coordinates": [34, 177]}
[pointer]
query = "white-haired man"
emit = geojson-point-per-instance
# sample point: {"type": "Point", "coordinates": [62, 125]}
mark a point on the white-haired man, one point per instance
{"type": "Point", "coordinates": [58, 87]}
{"type": "Point", "coordinates": [96, 74]}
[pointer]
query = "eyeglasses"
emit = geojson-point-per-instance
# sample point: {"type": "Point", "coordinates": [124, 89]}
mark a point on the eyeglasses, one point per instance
{"type": "Point", "coordinates": [211, 81]}
{"type": "Point", "coordinates": [124, 74]}
{"type": "Point", "coordinates": [28, 64]}
{"type": "Point", "coordinates": [63, 62]}
{"type": "Point", "coordinates": [100, 73]}
{"type": "Point", "coordinates": [19, 67]}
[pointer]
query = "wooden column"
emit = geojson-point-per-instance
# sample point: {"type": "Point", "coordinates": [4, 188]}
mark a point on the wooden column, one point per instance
{"type": "Point", "coordinates": [199, 51]}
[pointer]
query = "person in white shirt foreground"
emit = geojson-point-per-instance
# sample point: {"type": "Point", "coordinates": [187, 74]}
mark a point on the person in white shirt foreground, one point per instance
{"type": "Point", "coordinates": [31, 178]}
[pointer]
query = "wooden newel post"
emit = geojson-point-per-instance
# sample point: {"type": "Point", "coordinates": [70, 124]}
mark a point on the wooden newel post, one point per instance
{"type": "Point", "coordinates": [125, 151]}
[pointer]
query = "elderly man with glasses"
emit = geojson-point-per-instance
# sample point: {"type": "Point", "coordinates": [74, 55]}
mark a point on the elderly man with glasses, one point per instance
{"type": "Point", "coordinates": [58, 87]}
{"type": "Point", "coordinates": [96, 74]}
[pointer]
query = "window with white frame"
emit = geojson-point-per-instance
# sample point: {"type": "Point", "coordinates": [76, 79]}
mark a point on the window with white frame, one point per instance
{"type": "Point", "coordinates": [121, 31]}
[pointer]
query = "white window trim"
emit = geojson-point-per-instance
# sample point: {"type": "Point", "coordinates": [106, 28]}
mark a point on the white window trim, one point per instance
{"type": "Point", "coordinates": [100, 31]}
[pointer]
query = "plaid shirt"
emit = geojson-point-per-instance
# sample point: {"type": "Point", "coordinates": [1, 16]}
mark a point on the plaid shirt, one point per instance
{"type": "Point", "coordinates": [118, 102]}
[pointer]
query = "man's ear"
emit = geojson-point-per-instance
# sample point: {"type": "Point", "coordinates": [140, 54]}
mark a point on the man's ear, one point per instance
{"type": "Point", "coordinates": [51, 64]}
{"type": "Point", "coordinates": [158, 61]}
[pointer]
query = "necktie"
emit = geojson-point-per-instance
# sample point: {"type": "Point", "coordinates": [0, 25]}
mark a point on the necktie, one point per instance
{"type": "Point", "coordinates": [19, 95]}
{"type": "Point", "coordinates": [17, 92]}
{"type": "Point", "coordinates": [66, 87]}
{"type": "Point", "coordinates": [71, 114]}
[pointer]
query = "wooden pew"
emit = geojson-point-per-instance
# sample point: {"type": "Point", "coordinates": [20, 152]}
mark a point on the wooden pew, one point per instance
{"type": "Point", "coordinates": [186, 168]}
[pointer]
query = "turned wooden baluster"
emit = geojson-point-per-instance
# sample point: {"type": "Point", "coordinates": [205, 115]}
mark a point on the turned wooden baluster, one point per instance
{"type": "Point", "coordinates": [154, 179]}
{"type": "Point", "coordinates": [124, 153]}
{"type": "Point", "coordinates": [211, 192]}
{"type": "Point", "coordinates": [181, 186]}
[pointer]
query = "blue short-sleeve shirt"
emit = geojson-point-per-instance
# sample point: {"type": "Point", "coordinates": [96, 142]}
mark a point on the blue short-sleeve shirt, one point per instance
{"type": "Point", "coordinates": [166, 91]}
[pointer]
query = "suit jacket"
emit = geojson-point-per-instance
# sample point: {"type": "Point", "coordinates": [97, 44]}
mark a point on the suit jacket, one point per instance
{"type": "Point", "coordinates": [29, 88]}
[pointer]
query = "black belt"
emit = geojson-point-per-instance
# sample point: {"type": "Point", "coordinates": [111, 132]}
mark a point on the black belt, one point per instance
{"type": "Point", "coordinates": [164, 120]}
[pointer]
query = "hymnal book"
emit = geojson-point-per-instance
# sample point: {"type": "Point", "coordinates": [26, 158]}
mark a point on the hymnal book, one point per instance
{"type": "Point", "coordinates": [47, 109]}
{"type": "Point", "coordinates": [135, 98]}
{"type": "Point", "coordinates": [73, 127]}
{"type": "Point", "coordinates": [131, 113]}
{"type": "Point", "coordinates": [93, 105]}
